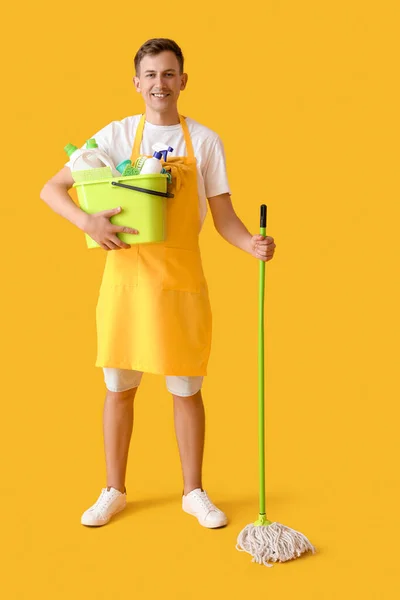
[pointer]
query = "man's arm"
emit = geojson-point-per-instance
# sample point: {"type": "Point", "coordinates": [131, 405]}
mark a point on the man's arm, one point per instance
{"type": "Point", "coordinates": [55, 194]}
{"type": "Point", "coordinates": [228, 224]}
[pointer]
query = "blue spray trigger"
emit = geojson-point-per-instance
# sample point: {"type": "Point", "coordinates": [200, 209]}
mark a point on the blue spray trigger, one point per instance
{"type": "Point", "coordinates": [165, 153]}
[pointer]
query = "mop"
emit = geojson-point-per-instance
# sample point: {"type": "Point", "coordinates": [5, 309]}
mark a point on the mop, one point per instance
{"type": "Point", "coordinates": [266, 541]}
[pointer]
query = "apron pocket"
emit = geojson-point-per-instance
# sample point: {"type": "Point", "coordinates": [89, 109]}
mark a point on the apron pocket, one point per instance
{"type": "Point", "coordinates": [183, 270]}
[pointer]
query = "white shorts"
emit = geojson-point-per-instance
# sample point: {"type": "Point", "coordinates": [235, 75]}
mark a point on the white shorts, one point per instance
{"type": "Point", "coordinates": [120, 380]}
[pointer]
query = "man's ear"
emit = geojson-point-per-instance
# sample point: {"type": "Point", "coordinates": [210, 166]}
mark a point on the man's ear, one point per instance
{"type": "Point", "coordinates": [136, 82]}
{"type": "Point", "coordinates": [184, 80]}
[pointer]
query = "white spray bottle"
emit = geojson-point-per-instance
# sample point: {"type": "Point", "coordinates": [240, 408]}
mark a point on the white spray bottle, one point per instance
{"type": "Point", "coordinates": [154, 164]}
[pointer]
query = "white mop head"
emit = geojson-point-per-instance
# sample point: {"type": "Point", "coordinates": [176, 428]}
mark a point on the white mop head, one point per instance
{"type": "Point", "coordinates": [272, 543]}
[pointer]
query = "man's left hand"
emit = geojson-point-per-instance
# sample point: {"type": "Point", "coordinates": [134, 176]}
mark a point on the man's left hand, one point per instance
{"type": "Point", "coordinates": [263, 247]}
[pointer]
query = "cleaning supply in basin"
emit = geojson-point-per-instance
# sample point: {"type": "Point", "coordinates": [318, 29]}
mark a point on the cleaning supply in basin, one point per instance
{"type": "Point", "coordinates": [102, 156]}
{"type": "Point", "coordinates": [84, 170]}
{"type": "Point", "coordinates": [163, 148]}
{"type": "Point", "coordinates": [139, 162]}
{"type": "Point", "coordinates": [130, 170]}
{"type": "Point", "coordinates": [78, 163]}
{"type": "Point", "coordinates": [123, 164]}
{"type": "Point", "coordinates": [90, 157]}
{"type": "Point", "coordinates": [168, 174]}
{"type": "Point", "coordinates": [153, 164]}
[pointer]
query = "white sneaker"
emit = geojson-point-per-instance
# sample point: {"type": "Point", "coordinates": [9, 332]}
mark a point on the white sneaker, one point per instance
{"type": "Point", "coordinates": [109, 503]}
{"type": "Point", "coordinates": [198, 504]}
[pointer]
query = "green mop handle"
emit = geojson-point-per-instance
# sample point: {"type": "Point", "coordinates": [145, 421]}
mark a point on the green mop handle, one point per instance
{"type": "Point", "coordinates": [261, 425]}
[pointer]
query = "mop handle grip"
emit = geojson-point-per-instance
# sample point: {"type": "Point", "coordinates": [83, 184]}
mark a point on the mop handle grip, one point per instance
{"type": "Point", "coordinates": [263, 216]}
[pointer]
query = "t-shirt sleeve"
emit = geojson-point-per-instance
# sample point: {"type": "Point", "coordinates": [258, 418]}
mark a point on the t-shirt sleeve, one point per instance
{"type": "Point", "coordinates": [103, 138]}
{"type": "Point", "coordinates": [214, 173]}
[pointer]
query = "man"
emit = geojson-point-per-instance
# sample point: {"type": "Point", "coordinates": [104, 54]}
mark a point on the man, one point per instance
{"type": "Point", "coordinates": [153, 313]}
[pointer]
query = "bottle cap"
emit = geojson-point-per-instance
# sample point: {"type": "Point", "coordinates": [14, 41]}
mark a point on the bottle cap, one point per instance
{"type": "Point", "coordinates": [91, 143]}
{"type": "Point", "coordinates": [70, 149]}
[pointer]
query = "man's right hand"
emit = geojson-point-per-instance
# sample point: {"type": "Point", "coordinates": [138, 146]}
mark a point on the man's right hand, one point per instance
{"type": "Point", "coordinates": [102, 231]}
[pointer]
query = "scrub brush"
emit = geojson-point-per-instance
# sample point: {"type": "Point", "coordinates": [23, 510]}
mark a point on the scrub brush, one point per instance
{"type": "Point", "coordinates": [139, 162]}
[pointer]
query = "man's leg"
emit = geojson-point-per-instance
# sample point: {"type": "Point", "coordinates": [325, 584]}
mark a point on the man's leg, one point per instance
{"type": "Point", "coordinates": [189, 419]}
{"type": "Point", "coordinates": [190, 431]}
{"type": "Point", "coordinates": [117, 429]}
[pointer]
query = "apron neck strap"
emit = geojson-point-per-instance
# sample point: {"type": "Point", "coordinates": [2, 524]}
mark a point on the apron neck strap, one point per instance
{"type": "Point", "coordinates": [139, 135]}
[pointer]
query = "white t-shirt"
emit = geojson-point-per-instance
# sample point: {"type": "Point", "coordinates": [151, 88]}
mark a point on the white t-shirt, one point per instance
{"type": "Point", "coordinates": [117, 138]}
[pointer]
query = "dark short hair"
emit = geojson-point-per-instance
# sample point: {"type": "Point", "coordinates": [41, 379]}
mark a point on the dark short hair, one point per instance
{"type": "Point", "coordinates": [156, 46]}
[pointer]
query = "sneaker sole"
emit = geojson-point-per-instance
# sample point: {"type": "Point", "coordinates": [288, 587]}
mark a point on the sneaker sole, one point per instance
{"type": "Point", "coordinates": [104, 522]}
{"type": "Point", "coordinates": [205, 524]}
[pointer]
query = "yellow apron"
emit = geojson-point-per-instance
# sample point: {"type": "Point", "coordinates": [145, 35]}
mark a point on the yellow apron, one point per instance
{"type": "Point", "coordinates": [153, 312]}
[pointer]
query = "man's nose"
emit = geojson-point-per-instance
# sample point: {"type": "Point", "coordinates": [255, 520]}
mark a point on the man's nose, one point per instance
{"type": "Point", "coordinates": [161, 81]}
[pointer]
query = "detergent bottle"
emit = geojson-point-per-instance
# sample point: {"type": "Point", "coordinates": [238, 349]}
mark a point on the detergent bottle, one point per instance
{"type": "Point", "coordinates": [153, 164]}
{"type": "Point", "coordinates": [90, 157]}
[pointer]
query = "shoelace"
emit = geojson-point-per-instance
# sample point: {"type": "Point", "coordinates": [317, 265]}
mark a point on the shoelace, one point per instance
{"type": "Point", "coordinates": [205, 501]}
{"type": "Point", "coordinates": [103, 502]}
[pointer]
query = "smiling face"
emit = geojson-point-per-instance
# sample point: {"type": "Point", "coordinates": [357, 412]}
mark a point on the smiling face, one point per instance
{"type": "Point", "coordinates": [160, 82]}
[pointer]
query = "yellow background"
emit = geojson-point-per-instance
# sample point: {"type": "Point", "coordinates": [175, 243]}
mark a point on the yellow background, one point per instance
{"type": "Point", "coordinates": [312, 88]}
